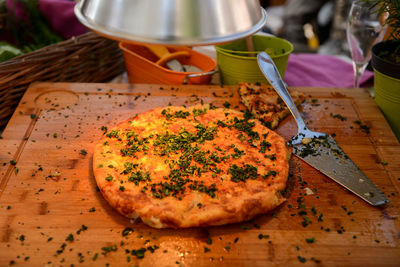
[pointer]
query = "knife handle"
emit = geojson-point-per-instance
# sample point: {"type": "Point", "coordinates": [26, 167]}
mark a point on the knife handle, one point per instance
{"type": "Point", "coordinates": [270, 71]}
{"type": "Point", "coordinates": [164, 55]}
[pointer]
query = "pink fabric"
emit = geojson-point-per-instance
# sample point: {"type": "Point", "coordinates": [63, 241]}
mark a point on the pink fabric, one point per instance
{"type": "Point", "coordinates": [322, 71]}
{"type": "Point", "coordinates": [17, 9]}
{"type": "Point", "coordinates": [60, 15]}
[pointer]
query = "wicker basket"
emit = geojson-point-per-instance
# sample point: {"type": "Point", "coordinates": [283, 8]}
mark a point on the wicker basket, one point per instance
{"type": "Point", "coordinates": [86, 58]}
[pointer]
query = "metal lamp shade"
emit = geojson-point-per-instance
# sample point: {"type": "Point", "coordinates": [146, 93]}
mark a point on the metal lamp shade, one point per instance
{"type": "Point", "coordinates": [179, 22]}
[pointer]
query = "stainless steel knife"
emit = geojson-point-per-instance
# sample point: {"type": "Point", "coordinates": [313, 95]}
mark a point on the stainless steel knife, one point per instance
{"type": "Point", "coordinates": [319, 149]}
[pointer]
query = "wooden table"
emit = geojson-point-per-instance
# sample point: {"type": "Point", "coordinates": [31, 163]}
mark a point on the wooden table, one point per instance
{"type": "Point", "coordinates": [51, 212]}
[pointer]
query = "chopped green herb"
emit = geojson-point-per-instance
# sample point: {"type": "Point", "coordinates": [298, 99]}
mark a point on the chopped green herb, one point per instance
{"type": "Point", "coordinates": [238, 153]}
{"type": "Point", "coordinates": [245, 227]}
{"type": "Point", "coordinates": [310, 240]}
{"type": "Point", "coordinates": [198, 112]}
{"type": "Point", "coordinates": [242, 173]}
{"type": "Point", "coordinates": [83, 228]}
{"type": "Point", "coordinates": [313, 210]}
{"type": "Point", "coordinates": [113, 133]}
{"type": "Point", "coordinates": [139, 253]}
{"type": "Point", "coordinates": [104, 129]}
{"type": "Point", "coordinates": [338, 116]}
{"type": "Point", "coordinates": [95, 256]}
{"type": "Point", "coordinates": [363, 127]}
{"type": "Point", "coordinates": [270, 173]}
{"type": "Point", "coordinates": [227, 104]}
{"type": "Point", "coordinates": [261, 236]}
{"type": "Point", "coordinates": [62, 248]}
{"type": "Point", "coordinates": [152, 248]}
{"type": "Point", "coordinates": [127, 231]}
{"type": "Point", "coordinates": [109, 249]}
{"type": "Point", "coordinates": [264, 146]}
{"type": "Point", "coordinates": [70, 238]}
{"type": "Point", "coordinates": [315, 260]}
{"type": "Point", "coordinates": [301, 259]}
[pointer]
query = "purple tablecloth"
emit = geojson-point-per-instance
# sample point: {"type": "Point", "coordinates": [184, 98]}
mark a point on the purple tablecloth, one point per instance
{"type": "Point", "coordinates": [322, 71]}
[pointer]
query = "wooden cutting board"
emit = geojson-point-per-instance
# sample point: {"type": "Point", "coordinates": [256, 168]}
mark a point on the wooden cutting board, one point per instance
{"type": "Point", "coordinates": [51, 213]}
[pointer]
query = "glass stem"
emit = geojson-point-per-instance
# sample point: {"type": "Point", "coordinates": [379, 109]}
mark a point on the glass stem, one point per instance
{"type": "Point", "coordinates": [359, 69]}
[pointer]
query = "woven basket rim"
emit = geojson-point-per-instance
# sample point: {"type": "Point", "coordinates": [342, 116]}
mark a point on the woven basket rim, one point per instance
{"type": "Point", "coordinates": [84, 58]}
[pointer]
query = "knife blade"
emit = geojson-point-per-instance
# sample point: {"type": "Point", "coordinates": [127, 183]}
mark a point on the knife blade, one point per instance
{"type": "Point", "coordinates": [175, 65]}
{"type": "Point", "coordinates": [325, 155]}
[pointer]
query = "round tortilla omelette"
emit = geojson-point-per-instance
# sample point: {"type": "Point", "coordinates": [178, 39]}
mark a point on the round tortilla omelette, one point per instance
{"type": "Point", "coordinates": [177, 167]}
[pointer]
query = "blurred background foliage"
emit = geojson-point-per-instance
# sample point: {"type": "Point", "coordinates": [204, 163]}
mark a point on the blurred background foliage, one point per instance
{"type": "Point", "coordinates": [23, 28]}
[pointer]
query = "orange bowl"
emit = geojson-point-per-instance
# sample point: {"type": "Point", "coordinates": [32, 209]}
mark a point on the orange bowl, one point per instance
{"type": "Point", "coordinates": [141, 66]}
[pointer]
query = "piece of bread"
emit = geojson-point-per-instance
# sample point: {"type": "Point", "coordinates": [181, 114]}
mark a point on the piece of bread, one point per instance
{"type": "Point", "coordinates": [265, 104]}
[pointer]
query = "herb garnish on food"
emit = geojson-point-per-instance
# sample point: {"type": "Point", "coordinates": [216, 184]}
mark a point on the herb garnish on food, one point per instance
{"type": "Point", "coordinates": [186, 156]}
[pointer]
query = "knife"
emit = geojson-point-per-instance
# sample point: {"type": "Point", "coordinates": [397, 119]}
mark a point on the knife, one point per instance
{"type": "Point", "coordinates": [319, 149]}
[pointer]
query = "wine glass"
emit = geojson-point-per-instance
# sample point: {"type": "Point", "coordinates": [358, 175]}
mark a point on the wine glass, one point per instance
{"type": "Point", "coordinates": [363, 30]}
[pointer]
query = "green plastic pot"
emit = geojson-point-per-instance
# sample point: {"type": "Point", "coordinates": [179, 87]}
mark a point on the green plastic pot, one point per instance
{"type": "Point", "coordinates": [387, 85]}
{"type": "Point", "coordinates": [236, 64]}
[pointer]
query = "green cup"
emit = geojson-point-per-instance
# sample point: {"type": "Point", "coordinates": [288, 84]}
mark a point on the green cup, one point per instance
{"type": "Point", "coordinates": [387, 97]}
{"type": "Point", "coordinates": [236, 64]}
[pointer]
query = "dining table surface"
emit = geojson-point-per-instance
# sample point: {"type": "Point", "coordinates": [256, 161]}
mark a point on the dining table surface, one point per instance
{"type": "Point", "coordinates": [52, 213]}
